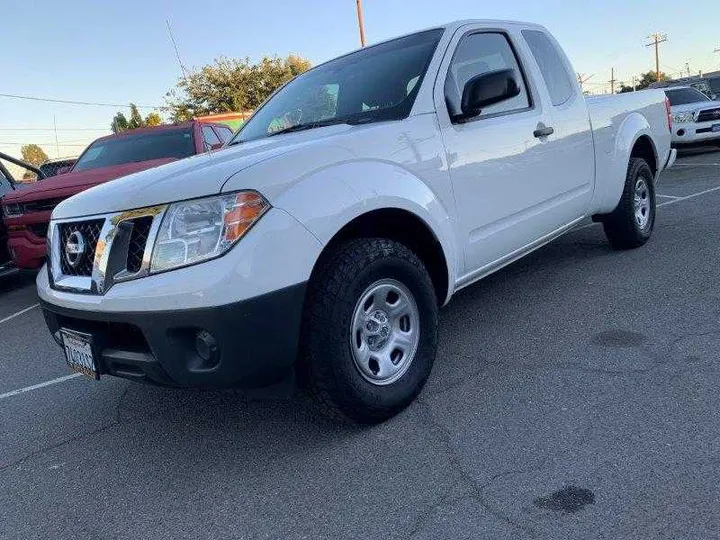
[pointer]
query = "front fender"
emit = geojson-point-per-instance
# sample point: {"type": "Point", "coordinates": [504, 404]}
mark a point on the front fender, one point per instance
{"type": "Point", "coordinates": [327, 200]}
{"type": "Point", "coordinates": [613, 149]}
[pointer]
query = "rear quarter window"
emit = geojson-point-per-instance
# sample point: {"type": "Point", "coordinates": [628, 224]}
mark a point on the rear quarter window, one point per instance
{"type": "Point", "coordinates": [552, 66]}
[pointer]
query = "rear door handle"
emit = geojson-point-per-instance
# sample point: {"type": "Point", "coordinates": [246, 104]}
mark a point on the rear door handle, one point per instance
{"type": "Point", "coordinates": [543, 131]}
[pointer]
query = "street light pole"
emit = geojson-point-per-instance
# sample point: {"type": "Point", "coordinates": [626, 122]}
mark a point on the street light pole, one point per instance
{"type": "Point", "coordinates": [360, 22]}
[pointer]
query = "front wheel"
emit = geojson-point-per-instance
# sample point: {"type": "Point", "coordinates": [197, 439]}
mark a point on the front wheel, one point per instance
{"type": "Point", "coordinates": [631, 224]}
{"type": "Point", "coordinates": [370, 330]}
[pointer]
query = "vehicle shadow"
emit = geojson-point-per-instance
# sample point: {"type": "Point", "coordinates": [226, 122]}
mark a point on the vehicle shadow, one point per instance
{"type": "Point", "coordinates": [16, 280]}
{"type": "Point", "coordinates": [470, 319]}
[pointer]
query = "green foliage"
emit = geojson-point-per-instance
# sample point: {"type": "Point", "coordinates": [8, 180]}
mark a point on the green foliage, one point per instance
{"type": "Point", "coordinates": [120, 122]}
{"type": "Point", "coordinates": [231, 85]}
{"type": "Point", "coordinates": [646, 79]}
{"type": "Point", "coordinates": [625, 88]}
{"type": "Point", "coordinates": [153, 119]}
{"type": "Point", "coordinates": [33, 154]}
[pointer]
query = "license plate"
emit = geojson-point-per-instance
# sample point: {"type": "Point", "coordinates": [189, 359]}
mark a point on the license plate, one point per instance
{"type": "Point", "coordinates": [716, 128]}
{"type": "Point", "coordinates": [79, 352]}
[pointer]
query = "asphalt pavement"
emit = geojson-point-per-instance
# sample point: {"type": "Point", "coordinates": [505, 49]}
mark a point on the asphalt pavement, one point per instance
{"type": "Point", "coordinates": [574, 396]}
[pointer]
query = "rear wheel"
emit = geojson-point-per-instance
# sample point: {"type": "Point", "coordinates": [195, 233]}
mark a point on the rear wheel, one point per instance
{"type": "Point", "coordinates": [370, 330]}
{"type": "Point", "coordinates": [631, 224]}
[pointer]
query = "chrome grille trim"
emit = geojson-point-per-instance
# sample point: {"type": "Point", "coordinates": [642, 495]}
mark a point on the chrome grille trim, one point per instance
{"type": "Point", "coordinates": [110, 257]}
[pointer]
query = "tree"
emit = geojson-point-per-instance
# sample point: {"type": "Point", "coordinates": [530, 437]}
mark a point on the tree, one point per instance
{"type": "Point", "coordinates": [646, 79]}
{"type": "Point", "coordinates": [136, 119]}
{"type": "Point", "coordinates": [33, 154]}
{"type": "Point", "coordinates": [153, 119]}
{"type": "Point", "coordinates": [230, 85]}
{"type": "Point", "coordinates": [624, 88]}
{"type": "Point", "coordinates": [120, 122]}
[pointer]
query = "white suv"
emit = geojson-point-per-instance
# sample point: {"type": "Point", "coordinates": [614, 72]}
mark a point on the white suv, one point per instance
{"type": "Point", "coordinates": [696, 117]}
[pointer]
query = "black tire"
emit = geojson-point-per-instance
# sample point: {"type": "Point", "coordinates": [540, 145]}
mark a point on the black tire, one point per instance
{"type": "Point", "coordinates": [621, 226]}
{"type": "Point", "coordinates": [327, 366]}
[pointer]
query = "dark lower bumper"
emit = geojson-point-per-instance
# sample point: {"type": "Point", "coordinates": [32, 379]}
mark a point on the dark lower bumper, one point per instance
{"type": "Point", "coordinates": [256, 340]}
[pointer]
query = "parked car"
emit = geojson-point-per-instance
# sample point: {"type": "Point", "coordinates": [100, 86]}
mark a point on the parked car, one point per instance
{"type": "Point", "coordinates": [696, 117]}
{"type": "Point", "coordinates": [27, 212]}
{"type": "Point", "coordinates": [404, 172]}
{"type": "Point", "coordinates": [8, 184]}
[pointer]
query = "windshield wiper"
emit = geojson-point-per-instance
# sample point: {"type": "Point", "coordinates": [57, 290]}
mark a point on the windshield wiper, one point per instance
{"type": "Point", "coordinates": [308, 125]}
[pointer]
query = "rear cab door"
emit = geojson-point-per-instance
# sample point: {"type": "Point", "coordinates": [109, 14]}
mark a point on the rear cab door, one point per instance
{"type": "Point", "coordinates": [507, 165]}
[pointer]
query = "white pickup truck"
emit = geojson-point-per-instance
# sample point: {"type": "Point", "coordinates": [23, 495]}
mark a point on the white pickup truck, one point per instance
{"type": "Point", "coordinates": [323, 239]}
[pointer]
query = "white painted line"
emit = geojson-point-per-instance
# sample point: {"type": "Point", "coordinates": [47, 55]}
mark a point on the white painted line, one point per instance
{"type": "Point", "coordinates": [669, 196]}
{"type": "Point", "coordinates": [41, 385]}
{"type": "Point", "coordinates": [673, 201]}
{"type": "Point", "coordinates": [680, 199]}
{"type": "Point", "coordinates": [6, 319]}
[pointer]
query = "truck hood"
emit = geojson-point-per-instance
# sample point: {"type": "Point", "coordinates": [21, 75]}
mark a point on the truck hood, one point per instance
{"type": "Point", "coordinates": [197, 176]}
{"type": "Point", "coordinates": [80, 180]}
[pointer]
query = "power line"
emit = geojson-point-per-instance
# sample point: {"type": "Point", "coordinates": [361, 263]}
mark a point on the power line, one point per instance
{"type": "Point", "coordinates": [70, 102]}
{"type": "Point", "coordinates": [52, 129]}
{"type": "Point", "coordinates": [8, 143]}
{"type": "Point", "coordinates": [177, 52]}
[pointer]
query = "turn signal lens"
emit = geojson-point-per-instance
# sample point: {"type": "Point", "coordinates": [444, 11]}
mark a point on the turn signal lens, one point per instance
{"type": "Point", "coordinates": [239, 217]}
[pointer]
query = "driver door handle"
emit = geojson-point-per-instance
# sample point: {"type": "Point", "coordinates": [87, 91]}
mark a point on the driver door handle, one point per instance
{"type": "Point", "coordinates": [543, 131]}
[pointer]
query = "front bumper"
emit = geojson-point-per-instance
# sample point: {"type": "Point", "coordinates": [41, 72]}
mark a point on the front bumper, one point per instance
{"type": "Point", "coordinates": [27, 250]}
{"type": "Point", "coordinates": [256, 341]}
{"type": "Point", "coordinates": [690, 133]}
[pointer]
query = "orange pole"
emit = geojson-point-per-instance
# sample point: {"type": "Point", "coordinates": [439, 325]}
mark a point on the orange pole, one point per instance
{"type": "Point", "coordinates": [360, 22]}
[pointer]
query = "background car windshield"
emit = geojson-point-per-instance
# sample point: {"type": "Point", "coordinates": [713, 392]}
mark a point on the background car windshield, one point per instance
{"type": "Point", "coordinates": [376, 83]}
{"type": "Point", "coordinates": [683, 96]}
{"type": "Point", "coordinates": [135, 148]}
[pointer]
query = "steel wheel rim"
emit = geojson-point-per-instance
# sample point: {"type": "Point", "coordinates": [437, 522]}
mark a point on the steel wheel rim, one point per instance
{"type": "Point", "coordinates": [384, 332]}
{"type": "Point", "coordinates": [641, 203]}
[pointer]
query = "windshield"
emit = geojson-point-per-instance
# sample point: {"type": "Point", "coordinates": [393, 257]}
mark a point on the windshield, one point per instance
{"type": "Point", "coordinates": [135, 148]}
{"type": "Point", "coordinates": [683, 96]}
{"type": "Point", "coordinates": [373, 84]}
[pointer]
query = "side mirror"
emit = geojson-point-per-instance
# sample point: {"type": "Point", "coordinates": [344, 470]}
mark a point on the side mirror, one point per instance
{"type": "Point", "coordinates": [63, 170]}
{"type": "Point", "coordinates": [216, 146]}
{"type": "Point", "coordinates": [487, 89]}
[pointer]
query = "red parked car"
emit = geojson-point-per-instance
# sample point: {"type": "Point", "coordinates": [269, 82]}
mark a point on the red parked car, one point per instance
{"type": "Point", "coordinates": [27, 212]}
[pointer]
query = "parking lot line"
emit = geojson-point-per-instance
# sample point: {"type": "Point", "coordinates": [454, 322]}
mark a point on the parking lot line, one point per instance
{"type": "Point", "coordinates": [686, 197]}
{"type": "Point", "coordinates": [10, 317]}
{"type": "Point", "coordinates": [668, 196]}
{"type": "Point", "coordinates": [38, 386]}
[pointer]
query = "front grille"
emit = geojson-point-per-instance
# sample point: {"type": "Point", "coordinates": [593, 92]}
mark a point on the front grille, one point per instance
{"type": "Point", "coordinates": [138, 241]}
{"type": "Point", "coordinates": [44, 205]}
{"type": "Point", "coordinates": [39, 229]}
{"type": "Point", "coordinates": [79, 264]}
{"type": "Point", "coordinates": [709, 115]}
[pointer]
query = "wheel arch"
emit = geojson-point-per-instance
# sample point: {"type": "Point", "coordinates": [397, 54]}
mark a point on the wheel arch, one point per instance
{"type": "Point", "coordinates": [402, 226]}
{"type": "Point", "coordinates": [634, 138]}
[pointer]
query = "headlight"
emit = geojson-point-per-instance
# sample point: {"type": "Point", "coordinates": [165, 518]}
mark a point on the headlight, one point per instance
{"type": "Point", "coordinates": [683, 117]}
{"type": "Point", "coordinates": [202, 229]}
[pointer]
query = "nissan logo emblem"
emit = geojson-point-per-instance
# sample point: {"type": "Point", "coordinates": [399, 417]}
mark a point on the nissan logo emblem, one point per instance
{"type": "Point", "coordinates": [75, 249]}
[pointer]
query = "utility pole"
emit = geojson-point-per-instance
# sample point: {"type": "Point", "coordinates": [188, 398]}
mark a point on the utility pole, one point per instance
{"type": "Point", "coordinates": [360, 22]}
{"type": "Point", "coordinates": [687, 67]}
{"type": "Point", "coordinates": [582, 79]}
{"type": "Point", "coordinates": [634, 83]}
{"type": "Point", "coordinates": [657, 39]}
{"type": "Point", "coordinates": [612, 80]}
{"type": "Point", "coordinates": [57, 144]}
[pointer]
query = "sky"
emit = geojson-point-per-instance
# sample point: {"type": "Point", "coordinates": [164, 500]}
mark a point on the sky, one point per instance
{"type": "Point", "coordinates": [117, 52]}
